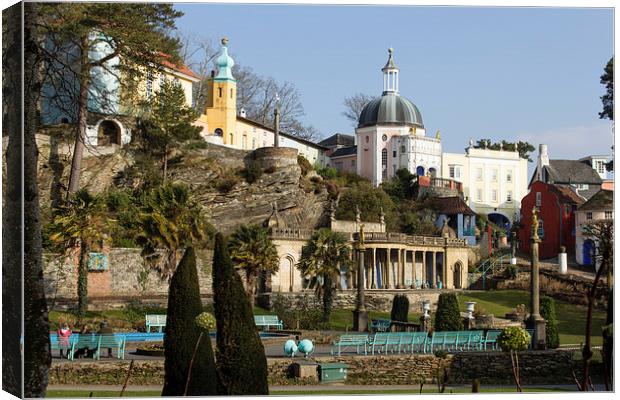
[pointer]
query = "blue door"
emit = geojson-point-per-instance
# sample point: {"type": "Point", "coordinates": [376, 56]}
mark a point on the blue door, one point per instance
{"type": "Point", "coordinates": [588, 252]}
{"type": "Point", "coordinates": [419, 171]}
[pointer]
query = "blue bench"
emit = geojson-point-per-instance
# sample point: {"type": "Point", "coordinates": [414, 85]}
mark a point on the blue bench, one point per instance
{"type": "Point", "coordinates": [267, 321]}
{"type": "Point", "coordinates": [357, 341]}
{"type": "Point", "coordinates": [110, 342]}
{"type": "Point", "coordinates": [157, 321]}
{"type": "Point", "coordinates": [380, 325]}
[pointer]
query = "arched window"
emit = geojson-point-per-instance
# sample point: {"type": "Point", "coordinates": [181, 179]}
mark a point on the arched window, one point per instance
{"type": "Point", "coordinates": [219, 132]}
{"type": "Point", "coordinates": [384, 164]}
{"type": "Point", "coordinates": [109, 132]}
{"type": "Point", "coordinates": [458, 270]}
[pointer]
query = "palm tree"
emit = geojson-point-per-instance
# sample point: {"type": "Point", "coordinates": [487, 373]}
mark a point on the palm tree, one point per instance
{"type": "Point", "coordinates": [82, 222]}
{"type": "Point", "coordinates": [322, 258]}
{"type": "Point", "coordinates": [170, 221]}
{"type": "Point", "coordinates": [252, 251]}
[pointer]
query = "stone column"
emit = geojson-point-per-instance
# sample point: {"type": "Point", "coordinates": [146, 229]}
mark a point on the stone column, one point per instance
{"type": "Point", "coordinates": [433, 270]}
{"type": "Point", "coordinates": [373, 266]}
{"type": "Point", "coordinates": [424, 278]}
{"type": "Point", "coordinates": [399, 270]}
{"type": "Point", "coordinates": [413, 267]}
{"type": "Point", "coordinates": [535, 321]}
{"type": "Point", "coordinates": [388, 268]}
{"type": "Point", "coordinates": [360, 315]}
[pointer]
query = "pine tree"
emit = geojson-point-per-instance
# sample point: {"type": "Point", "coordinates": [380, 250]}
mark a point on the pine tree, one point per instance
{"type": "Point", "coordinates": [241, 362]}
{"type": "Point", "coordinates": [448, 316]}
{"type": "Point", "coordinates": [182, 334]}
{"type": "Point", "coordinates": [547, 311]}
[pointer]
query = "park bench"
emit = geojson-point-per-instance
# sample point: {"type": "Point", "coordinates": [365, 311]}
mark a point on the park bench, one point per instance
{"type": "Point", "coordinates": [490, 340]}
{"type": "Point", "coordinates": [85, 341]}
{"type": "Point", "coordinates": [142, 337]}
{"type": "Point", "coordinates": [443, 341]}
{"type": "Point", "coordinates": [56, 344]}
{"type": "Point", "coordinates": [157, 321]}
{"type": "Point", "coordinates": [379, 342]}
{"type": "Point", "coordinates": [380, 325]}
{"type": "Point", "coordinates": [356, 341]}
{"type": "Point", "coordinates": [474, 341]}
{"type": "Point", "coordinates": [267, 321]}
{"type": "Point", "coordinates": [110, 341]}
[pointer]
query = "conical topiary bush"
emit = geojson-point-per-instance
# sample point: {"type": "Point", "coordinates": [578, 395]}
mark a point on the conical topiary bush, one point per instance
{"type": "Point", "coordinates": [241, 361]}
{"type": "Point", "coordinates": [181, 336]}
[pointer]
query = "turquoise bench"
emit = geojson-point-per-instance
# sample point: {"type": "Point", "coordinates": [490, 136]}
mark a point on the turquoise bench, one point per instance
{"type": "Point", "coordinates": [157, 321]}
{"type": "Point", "coordinates": [357, 341]}
{"type": "Point", "coordinates": [397, 342]}
{"type": "Point", "coordinates": [380, 325]}
{"type": "Point", "coordinates": [267, 321]}
{"type": "Point", "coordinates": [84, 341]}
{"type": "Point", "coordinates": [490, 340]}
{"type": "Point", "coordinates": [110, 342]}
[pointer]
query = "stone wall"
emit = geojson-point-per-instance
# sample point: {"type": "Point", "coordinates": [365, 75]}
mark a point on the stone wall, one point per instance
{"type": "Point", "coordinates": [491, 368]}
{"type": "Point", "coordinates": [276, 157]}
{"type": "Point", "coordinates": [128, 277]}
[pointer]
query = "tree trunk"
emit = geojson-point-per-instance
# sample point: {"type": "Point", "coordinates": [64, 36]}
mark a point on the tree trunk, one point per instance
{"type": "Point", "coordinates": [11, 213]}
{"type": "Point", "coordinates": [82, 284]}
{"type": "Point", "coordinates": [608, 343]}
{"type": "Point", "coordinates": [587, 351]}
{"type": "Point", "coordinates": [80, 137]}
{"type": "Point", "coordinates": [165, 167]}
{"type": "Point", "coordinates": [251, 278]}
{"type": "Point", "coordinates": [37, 357]}
{"type": "Point", "coordinates": [328, 297]}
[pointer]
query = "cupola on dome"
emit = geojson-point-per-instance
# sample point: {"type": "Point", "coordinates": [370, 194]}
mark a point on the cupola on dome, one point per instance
{"type": "Point", "coordinates": [224, 63]}
{"type": "Point", "coordinates": [390, 108]}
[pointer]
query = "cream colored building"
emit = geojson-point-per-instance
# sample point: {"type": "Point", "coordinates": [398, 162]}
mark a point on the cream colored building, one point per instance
{"type": "Point", "coordinates": [223, 124]}
{"type": "Point", "coordinates": [494, 181]}
{"type": "Point", "coordinates": [599, 207]}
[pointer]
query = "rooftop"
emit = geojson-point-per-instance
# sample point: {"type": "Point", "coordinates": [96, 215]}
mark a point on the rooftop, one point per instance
{"type": "Point", "coordinates": [344, 151]}
{"type": "Point", "coordinates": [603, 200]}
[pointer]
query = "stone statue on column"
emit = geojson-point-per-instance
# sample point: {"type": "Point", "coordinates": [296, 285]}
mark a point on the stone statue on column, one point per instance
{"type": "Point", "coordinates": [535, 321]}
{"type": "Point", "coordinates": [360, 315]}
{"type": "Point", "coordinates": [358, 214]}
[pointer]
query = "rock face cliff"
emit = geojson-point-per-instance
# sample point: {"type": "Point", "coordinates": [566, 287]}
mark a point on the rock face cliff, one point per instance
{"type": "Point", "coordinates": [215, 175]}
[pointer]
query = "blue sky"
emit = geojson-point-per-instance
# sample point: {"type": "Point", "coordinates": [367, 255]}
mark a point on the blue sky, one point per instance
{"type": "Point", "coordinates": [501, 73]}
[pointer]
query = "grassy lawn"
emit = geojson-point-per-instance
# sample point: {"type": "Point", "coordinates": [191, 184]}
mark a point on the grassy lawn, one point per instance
{"type": "Point", "coordinates": [102, 393]}
{"type": "Point", "coordinates": [571, 318]}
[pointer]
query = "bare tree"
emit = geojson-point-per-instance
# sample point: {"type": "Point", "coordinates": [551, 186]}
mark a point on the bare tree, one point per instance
{"type": "Point", "coordinates": [354, 106]}
{"type": "Point", "coordinates": [602, 232]}
{"type": "Point", "coordinates": [198, 54]}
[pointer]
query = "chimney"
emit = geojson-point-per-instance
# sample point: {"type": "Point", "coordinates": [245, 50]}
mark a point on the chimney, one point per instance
{"type": "Point", "coordinates": [242, 112]}
{"type": "Point", "coordinates": [543, 160]}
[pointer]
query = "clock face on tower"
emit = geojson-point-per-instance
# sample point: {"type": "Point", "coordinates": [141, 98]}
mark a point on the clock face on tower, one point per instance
{"type": "Point", "coordinates": [384, 137]}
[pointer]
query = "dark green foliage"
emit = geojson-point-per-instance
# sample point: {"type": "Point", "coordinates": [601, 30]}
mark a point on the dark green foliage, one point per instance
{"type": "Point", "coordinates": [327, 172]}
{"type": "Point", "coordinates": [607, 79]}
{"type": "Point", "coordinates": [448, 317]}
{"type": "Point", "coordinates": [524, 148]}
{"type": "Point", "coordinates": [416, 221]}
{"type": "Point", "coordinates": [512, 271]}
{"type": "Point", "coordinates": [400, 186]}
{"type": "Point", "coordinates": [400, 308]}
{"type": "Point", "coordinates": [305, 313]}
{"type": "Point", "coordinates": [513, 338]}
{"type": "Point", "coordinates": [182, 334]}
{"type": "Point", "coordinates": [252, 172]}
{"type": "Point", "coordinates": [370, 201]}
{"type": "Point", "coordinates": [547, 311]}
{"type": "Point", "coordinates": [304, 164]}
{"type": "Point", "coordinates": [242, 366]}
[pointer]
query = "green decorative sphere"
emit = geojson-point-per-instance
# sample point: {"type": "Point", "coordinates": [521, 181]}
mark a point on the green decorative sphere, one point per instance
{"type": "Point", "coordinates": [206, 321]}
{"type": "Point", "coordinates": [514, 338]}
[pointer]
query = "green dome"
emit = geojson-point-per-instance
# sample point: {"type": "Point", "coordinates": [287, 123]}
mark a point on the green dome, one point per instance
{"type": "Point", "coordinates": [390, 109]}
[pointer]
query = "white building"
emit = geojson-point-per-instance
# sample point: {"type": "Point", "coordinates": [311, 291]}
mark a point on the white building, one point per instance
{"type": "Point", "coordinates": [599, 207]}
{"type": "Point", "coordinates": [391, 135]}
{"type": "Point", "coordinates": [494, 181]}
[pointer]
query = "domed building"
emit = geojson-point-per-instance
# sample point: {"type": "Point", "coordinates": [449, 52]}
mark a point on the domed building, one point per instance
{"type": "Point", "coordinates": [391, 135]}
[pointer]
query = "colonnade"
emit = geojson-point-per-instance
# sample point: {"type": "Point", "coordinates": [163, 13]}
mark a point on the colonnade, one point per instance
{"type": "Point", "coordinates": [403, 268]}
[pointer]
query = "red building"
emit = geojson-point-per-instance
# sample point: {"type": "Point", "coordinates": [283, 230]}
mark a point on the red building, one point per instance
{"type": "Point", "coordinates": [556, 214]}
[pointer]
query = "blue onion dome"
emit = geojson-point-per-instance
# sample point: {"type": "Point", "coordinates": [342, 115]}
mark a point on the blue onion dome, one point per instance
{"type": "Point", "coordinates": [390, 109]}
{"type": "Point", "coordinates": [224, 63]}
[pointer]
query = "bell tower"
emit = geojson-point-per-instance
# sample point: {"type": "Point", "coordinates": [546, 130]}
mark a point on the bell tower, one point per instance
{"type": "Point", "coordinates": [221, 105]}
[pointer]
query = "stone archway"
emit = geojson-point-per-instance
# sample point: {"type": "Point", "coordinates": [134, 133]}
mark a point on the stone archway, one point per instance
{"type": "Point", "coordinates": [458, 275]}
{"type": "Point", "coordinates": [287, 273]}
{"type": "Point", "coordinates": [108, 133]}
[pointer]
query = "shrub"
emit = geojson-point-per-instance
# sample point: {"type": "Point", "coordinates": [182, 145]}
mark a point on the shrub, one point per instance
{"type": "Point", "coordinates": [252, 172]}
{"type": "Point", "coordinates": [198, 144]}
{"type": "Point", "coordinates": [547, 311]}
{"type": "Point", "coordinates": [328, 172]}
{"type": "Point", "coordinates": [242, 366]}
{"type": "Point", "coordinates": [400, 308]}
{"type": "Point", "coordinates": [304, 164]}
{"type": "Point", "coordinates": [305, 313]}
{"type": "Point", "coordinates": [512, 271]}
{"type": "Point", "coordinates": [182, 334]}
{"type": "Point", "coordinates": [513, 338]}
{"type": "Point", "coordinates": [225, 183]}
{"type": "Point", "coordinates": [448, 316]}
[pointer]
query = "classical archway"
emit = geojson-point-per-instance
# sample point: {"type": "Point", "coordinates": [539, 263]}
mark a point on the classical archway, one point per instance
{"type": "Point", "coordinates": [500, 220]}
{"type": "Point", "coordinates": [108, 132]}
{"type": "Point", "coordinates": [419, 170]}
{"type": "Point", "coordinates": [287, 273]}
{"type": "Point", "coordinates": [588, 252]}
{"type": "Point", "coordinates": [219, 132]}
{"type": "Point", "coordinates": [458, 273]}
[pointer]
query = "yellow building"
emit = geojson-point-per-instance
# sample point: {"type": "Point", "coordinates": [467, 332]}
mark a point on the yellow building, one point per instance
{"type": "Point", "coordinates": [222, 124]}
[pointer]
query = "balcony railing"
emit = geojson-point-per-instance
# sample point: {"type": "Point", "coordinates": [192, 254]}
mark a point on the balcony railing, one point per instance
{"type": "Point", "coordinates": [440, 183]}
